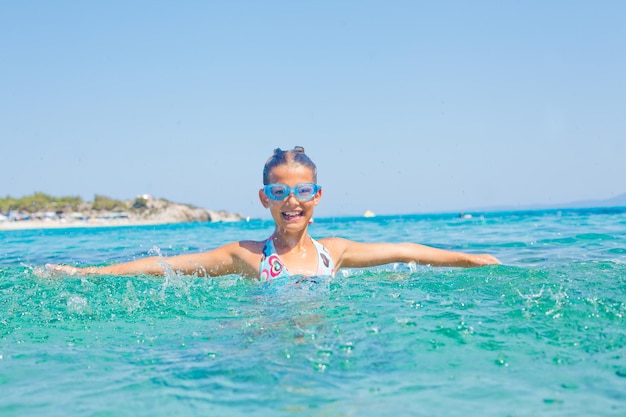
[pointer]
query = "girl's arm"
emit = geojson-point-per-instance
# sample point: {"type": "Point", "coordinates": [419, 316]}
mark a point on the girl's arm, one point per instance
{"type": "Point", "coordinates": [234, 258]}
{"type": "Point", "coordinates": [350, 254]}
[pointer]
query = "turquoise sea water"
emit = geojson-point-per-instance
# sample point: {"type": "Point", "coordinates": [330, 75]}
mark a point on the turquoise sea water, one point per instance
{"type": "Point", "coordinates": [542, 335]}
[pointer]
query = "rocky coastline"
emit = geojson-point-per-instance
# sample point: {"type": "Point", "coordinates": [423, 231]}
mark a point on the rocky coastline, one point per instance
{"type": "Point", "coordinates": [143, 210]}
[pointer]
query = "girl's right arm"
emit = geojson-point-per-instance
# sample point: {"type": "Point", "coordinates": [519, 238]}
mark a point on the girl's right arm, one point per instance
{"type": "Point", "coordinates": [233, 258]}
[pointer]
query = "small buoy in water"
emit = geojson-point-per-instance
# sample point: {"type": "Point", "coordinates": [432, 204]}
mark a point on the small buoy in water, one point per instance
{"type": "Point", "coordinates": [369, 213]}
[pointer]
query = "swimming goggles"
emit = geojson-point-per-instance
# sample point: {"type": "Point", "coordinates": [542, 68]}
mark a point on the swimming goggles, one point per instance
{"type": "Point", "coordinates": [303, 192]}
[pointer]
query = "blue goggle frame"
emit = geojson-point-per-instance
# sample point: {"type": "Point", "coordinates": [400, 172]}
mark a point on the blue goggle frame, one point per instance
{"type": "Point", "coordinates": [305, 191]}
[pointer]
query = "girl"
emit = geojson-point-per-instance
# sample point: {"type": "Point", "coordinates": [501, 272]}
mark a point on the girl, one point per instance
{"type": "Point", "coordinates": [291, 193]}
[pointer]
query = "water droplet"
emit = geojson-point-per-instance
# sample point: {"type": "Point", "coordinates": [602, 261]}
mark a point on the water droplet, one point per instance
{"type": "Point", "coordinates": [347, 348]}
{"type": "Point", "coordinates": [320, 366]}
{"type": "Point", "coordinates": [501, 361]}
{"type": "Point", "coordinates": [325, 353]}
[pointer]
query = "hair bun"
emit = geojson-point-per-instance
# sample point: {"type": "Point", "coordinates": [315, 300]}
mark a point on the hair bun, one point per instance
{"type": "Point", "coordinates": [293, 156]}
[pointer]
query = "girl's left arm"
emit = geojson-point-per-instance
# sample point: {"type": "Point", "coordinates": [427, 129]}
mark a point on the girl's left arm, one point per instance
{"type": "Point", "coordinates": [350, 254]}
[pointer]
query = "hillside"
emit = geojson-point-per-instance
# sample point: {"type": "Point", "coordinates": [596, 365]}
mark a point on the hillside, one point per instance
{"type": "Point", "coordinates": [41, 211]}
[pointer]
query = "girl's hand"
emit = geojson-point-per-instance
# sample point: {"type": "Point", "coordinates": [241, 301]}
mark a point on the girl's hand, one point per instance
{"type": "Point", "coordinates": [55, 269]}
{"type": "Point", "coordinates": [484, 259]}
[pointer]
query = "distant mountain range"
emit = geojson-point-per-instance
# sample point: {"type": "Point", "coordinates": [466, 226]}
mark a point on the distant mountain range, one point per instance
{"type": "Point", "coordinates": [617, 201]}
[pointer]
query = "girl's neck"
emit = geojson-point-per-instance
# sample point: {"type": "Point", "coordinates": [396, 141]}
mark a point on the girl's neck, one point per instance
{"type": "Point", "coordinates": [289, 240]}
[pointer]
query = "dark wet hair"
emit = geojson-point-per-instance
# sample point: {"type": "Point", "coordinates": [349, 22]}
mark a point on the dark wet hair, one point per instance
{"type": "Point", "coordinates": [294, 156]}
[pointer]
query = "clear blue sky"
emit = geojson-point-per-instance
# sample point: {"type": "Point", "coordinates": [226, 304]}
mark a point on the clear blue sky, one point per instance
{"type": "Point", "coordinates": [405, 106]}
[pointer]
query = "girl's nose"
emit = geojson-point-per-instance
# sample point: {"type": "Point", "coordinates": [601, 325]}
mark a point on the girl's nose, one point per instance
{"type": "Point", "coordinates": [291, 196]}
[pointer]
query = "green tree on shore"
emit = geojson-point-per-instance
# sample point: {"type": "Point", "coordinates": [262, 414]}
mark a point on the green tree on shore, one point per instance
{"type": "Point", "coordinates": [39, 202]}
{"type": "Point", "coordinates": [104, 203]}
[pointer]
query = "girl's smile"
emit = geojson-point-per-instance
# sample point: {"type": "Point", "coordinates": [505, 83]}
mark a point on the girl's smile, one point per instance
{"type": "Point", "coordinates": [291, 215]}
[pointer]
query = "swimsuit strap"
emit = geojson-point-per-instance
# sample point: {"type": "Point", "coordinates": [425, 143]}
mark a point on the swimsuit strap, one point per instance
{"type": "Point", "coordinates": [272, 267]}
{"type": "Point", "coordinates": [325, 264]}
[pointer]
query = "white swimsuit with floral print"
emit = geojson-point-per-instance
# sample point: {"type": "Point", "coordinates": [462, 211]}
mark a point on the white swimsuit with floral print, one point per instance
{"type": "Point", "coordinates": [272, 267]}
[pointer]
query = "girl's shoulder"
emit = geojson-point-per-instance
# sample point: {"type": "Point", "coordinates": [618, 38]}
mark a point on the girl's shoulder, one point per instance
{"type": "Point", "coordinates": [247, 250]}
{"type": "Point", "coordinates": [249, 246]}
{"type": "Point", "coordinates": [334, 244]}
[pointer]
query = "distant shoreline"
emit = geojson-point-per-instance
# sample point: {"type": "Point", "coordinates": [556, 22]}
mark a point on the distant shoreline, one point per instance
{"type": "Point", "coordinates": [143, 211]}
{"type": "Point", "coordinates": [58, 224]}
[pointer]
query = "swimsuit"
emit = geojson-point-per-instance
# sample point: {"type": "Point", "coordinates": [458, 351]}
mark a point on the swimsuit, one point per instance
{"type": "Point", "coordinates": [272, 267]}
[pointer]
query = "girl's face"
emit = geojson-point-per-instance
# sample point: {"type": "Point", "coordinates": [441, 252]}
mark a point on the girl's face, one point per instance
{"type": "Point", "coordinates": [291, 214]}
